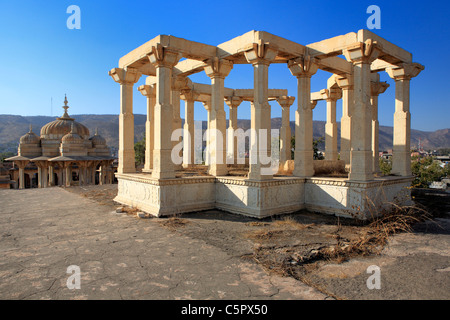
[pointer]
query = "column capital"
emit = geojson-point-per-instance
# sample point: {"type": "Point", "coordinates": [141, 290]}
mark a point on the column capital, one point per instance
{"type": "Point", "coordinates": [331, 94]}
{"type": "Point", "coordinates": [233, 102]}
{"type": "Point", "coordinates": [21, 164]}
{"type": "Point", "coordinates": [218, 68]}
{"type": "Point", "coordinates": [207, 104]}
{"type": "Point", "coordinates": [189, 95]}
{"type": "Point", "coordinates": [285, 101]}
{"type": "Point", "coordinates": [405, 71]}
{"type": "Point", "coordinates": [362, 52]}
{"type": "Point", "coordinates": [163, 57]}
{"type": "Point", "coordinates": [180, 82]}
{"type": "Point", "coordinates": [125, 76]}
{"type": "Point", "coordinates": [260, 53]}
{"type": "Point", "coordinates": [377, 88]}
{"type": "Point", "coordinates": [345, 83]}
{"type": "Point", "coordinates": [303, 66]}
{"type": "Point", "coordinates": [148, 90]}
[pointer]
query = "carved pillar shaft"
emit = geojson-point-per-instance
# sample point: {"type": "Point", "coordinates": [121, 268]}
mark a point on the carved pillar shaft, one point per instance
{"type": "Point", "coordinates": [331, 149]}
{"type": "Point", "coordinates": [188, 135]}
{"type": "Point", "coordinates": [217, 70]}
{"type": "Point", "coordinates": [126, 78]}
{"type": "Point", "coordinates": [163, 60]}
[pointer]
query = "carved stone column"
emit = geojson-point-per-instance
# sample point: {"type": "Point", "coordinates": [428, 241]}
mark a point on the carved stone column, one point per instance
{"type": "Point", "coordinates": [178, 83]}
{"type": "Point", "coordinates": [189, 97]}
{"type": "Point", "coordinates": [331, 149]}
{"type": "Point", "coordinates": [361, 157]}
{"type": "Point", "coordinates": [163, 60]}
{"type": "Point", "coordinates": [207, 106]}
{"type": "Point", "coordinates": [346, 84]}
{"type": "Point", "coordinates": [401, 153]}
{"type": "Point", "coordinates": [217, 70]}
{"type": "Point", "coordinates": [68, 174]}
{"type": "Point", "coordinates": [51, 175]}
{"type": "Point", "coordinates": [260, 161]}
{"type": "Point", "coordinates": [232, 150]}
{"type": "Point", "coordinates": [126, 78]}
{"type": "Point", "coordinates": [303, 68]}
{"type": "Point", "coordinates": [149, 91]}
{"type": "Point", "coordinates": [285, 131]}
{"type": "Point", "coordinates": [21, 165]}
{"type": "Point", "coordinates": [376, 88]}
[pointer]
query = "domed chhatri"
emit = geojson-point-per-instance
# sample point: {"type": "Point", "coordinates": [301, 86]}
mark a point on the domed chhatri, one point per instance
{"type": "Point", "coordinates": [72, 137]}
{"type": "Point", "coordinates": [64, 150]}
{"type": "Point", "coordinates": [97, 140]}
{"type": "Point", "coordinates": [30, 137]}
{"type": "Point", "coordinates": [63, 125]}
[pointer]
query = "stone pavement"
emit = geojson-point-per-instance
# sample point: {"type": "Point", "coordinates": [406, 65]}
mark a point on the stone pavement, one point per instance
{"type": "Point", "coordinates": [44, 231]}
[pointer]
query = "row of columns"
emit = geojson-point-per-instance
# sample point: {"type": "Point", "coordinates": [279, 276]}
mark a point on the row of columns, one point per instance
{"type": "Point", "coordinates": [359, 122]}
{"type": "Point", "coordinates": [86, 173]}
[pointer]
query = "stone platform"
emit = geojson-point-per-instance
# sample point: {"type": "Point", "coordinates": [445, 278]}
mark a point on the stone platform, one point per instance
{"type": "Point", "coordinates": [260, 199]}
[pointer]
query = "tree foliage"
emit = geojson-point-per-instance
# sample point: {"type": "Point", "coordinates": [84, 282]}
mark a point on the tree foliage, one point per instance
{"type": "Point", "coordinates": [385, 166]}
{"type": "Point", "coordinates": [426, 170]}
{"type": "Point", "coordinates": [139, 152]}
{"type": "Point", "coordinates": [4, 155]}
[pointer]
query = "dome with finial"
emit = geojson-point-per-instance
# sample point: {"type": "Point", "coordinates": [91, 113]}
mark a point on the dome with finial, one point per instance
{"type": "Point", "coordinates": [62, 126]}
{"type": "Point", "coordinates": [97, 140]}
{"type": "Point", "coordinates": [72, 137]}
{"type": "Point", "coordinates": [30, 137]}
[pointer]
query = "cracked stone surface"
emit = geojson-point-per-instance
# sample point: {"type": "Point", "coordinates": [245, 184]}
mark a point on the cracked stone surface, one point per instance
{"type": "Point", "coordinates": [44, 231]}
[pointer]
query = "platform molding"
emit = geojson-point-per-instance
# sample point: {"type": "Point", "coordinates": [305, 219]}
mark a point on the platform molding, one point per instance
{"type": "Point", "coordinates": [260, 199]}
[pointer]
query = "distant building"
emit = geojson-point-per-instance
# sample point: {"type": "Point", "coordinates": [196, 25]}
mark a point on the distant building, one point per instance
{"type": "Point", "coordinates": [63, 154]}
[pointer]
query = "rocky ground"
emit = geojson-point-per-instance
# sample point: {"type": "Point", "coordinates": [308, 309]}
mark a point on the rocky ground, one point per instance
{"type": "Point", "coordinates": [329, 254]}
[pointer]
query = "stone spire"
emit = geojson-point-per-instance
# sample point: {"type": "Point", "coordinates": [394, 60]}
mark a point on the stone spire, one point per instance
{"type": "Point", "coordinates": [65, 116]}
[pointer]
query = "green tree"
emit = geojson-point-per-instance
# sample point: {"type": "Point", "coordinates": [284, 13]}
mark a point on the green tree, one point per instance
{"type": "Point", "coordinates": [426, 170]}
{"type": "Point", "coordinates": [316, 143]}
{"type": "Point", "coordinates": [139, 152]}
{"type": "Point", "coordinates": [385, 166]}
{"type": "Point", "coordinates": [4, 155]}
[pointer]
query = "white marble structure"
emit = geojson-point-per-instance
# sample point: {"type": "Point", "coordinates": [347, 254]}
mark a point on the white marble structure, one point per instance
{"type": "Point", "coordinates": [354, 79]}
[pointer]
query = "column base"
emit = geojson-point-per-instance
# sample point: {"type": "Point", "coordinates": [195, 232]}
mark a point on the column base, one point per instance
{"type": "Point", "coordinates": [401, 163]}
{"type": "Point", "coordinates": [303, 164]}
{"type": "Point", "coordinates": [361, 166]}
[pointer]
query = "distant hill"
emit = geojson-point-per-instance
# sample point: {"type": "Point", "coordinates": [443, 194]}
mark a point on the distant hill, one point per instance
{"type": "Point", "coordinates": [12, 127]}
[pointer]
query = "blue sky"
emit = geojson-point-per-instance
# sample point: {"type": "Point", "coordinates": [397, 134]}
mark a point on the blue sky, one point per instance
{"type": "Point", "coordinates": [42, 59]}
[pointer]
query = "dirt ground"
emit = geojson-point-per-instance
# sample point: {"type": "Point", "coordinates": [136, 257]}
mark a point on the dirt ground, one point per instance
{"type": "Point", "coordinates": [328, 253]}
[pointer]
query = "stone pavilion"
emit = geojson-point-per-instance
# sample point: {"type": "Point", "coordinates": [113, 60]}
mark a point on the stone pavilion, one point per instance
{"type": "Point", "coordinates": [354, 61]}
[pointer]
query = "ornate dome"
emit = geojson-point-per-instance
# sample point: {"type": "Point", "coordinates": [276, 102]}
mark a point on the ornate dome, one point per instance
{"type": "Point", "coordinates": [62, 126]}
{"type": "Point", "coordinates": [29, 137]}
{"type": "Point", "coordinates": [72, 137]}
{"type": "Point", "coordinates": [97, 140]}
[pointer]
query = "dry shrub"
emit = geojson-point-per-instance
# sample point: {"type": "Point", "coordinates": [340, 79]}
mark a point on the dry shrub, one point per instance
{"type": "Point", "coordinates": [289, 261]}
{"type": "Point", "coordinates": [256, 224]}
{"type": "Point", "coordinates": [174, 223]}
{"type": "Point", "coordinates": [130, 210]}
{"type": "Point", "coordinates": [262, 234]}
{"type": "Point", "coordinates": [289, 222]}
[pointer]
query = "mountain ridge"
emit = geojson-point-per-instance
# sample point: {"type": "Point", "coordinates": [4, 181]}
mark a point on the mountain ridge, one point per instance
{"type": "Point", "coordinates": [12, 127]}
